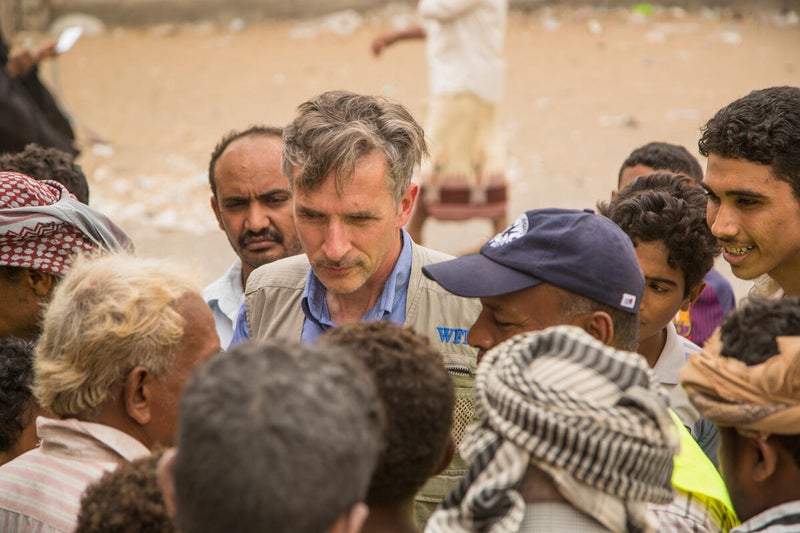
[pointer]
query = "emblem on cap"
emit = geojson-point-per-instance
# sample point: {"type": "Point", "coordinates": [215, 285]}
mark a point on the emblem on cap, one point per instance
{"type": "Point", "coordinates": [516, 230]}
{"type": "Point", "coordinates": [628, 301]}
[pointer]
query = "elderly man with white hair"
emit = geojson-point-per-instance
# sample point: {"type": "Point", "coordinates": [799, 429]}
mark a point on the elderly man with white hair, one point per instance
{"type": "Point", "coordinates": [120, 337]}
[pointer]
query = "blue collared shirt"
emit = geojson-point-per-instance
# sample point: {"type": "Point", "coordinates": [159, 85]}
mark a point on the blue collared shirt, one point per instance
{"type": "Point", "coordinates": [391, 304]}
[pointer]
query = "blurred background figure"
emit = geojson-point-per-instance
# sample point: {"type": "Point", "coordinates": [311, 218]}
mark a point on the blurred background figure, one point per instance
{"type": "Point", "coordinates": [30, 113]}
{"type": "Point", "coordinates": [466, 71]}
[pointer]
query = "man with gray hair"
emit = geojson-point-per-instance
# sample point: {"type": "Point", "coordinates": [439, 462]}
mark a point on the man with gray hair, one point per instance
{"type": "Point", "coordinates": [349, 159]}
{"type": "Point", "coordinates": [119, 338]}
{"type": "Point", "coordinates": [275, 436]}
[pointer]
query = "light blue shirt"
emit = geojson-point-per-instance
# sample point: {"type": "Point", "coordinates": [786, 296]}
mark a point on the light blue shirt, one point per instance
{"type": "Point", "coordinates": [225, 296]}
{"type": "Point", "coordinates": [391, 304]}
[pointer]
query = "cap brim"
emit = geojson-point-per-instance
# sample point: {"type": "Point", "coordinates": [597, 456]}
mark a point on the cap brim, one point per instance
{"type": "Point", "coordinates": [476, 276]}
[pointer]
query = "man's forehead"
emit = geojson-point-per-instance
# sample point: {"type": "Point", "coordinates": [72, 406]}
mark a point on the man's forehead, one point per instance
{"type": "Point", "coordinates": [542, 296]}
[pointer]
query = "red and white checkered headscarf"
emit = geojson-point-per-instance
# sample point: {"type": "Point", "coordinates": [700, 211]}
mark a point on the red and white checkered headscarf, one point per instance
{"type": "Point", "coordinates": [42, 226]}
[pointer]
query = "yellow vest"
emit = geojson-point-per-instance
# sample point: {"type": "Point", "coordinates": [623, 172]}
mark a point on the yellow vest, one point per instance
{"type": "Point", "coordinates": [694, 473]}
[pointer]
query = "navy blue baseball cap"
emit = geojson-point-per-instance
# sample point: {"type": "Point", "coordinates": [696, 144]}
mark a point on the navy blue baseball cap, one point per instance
{"type": "Point", "coordinates": [579, 251]}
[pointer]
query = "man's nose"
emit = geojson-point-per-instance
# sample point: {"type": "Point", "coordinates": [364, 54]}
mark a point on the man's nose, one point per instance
{"type": "Point", "coordinates": [722, 221]}
{"type": "Point", "coordinates": [257, 217]}
{"type": "Point", "coordinates": [337, 241]}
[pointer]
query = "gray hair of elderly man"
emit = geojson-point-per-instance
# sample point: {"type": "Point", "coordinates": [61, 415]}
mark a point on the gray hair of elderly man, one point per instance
{"type": "Point", "coordinates": [276, 436]}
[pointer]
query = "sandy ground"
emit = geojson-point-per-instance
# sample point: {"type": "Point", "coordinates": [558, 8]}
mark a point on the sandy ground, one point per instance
{"type": "Point", "coordinates": [584, 87]}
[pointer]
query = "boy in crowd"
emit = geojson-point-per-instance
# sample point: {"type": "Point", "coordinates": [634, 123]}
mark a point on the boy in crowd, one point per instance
{"type": "Point", "coordinates": [418, 398]}
{"type": "Point", "coordinates": [126, 500]}
{"type": "Point", "coordinates": [747, 381]}
{"type": "Point", "coordinates": [664, 216]}
{"type": "Point", "coordinates": [699, 321]}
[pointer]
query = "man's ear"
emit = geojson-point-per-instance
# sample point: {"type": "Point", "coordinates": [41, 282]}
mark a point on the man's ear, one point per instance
{"type": "Point", "coordinates": [406, 206]}
{"type": "Point", "coordinates": [598, 324]}
{"type": "Point", "coordinates": [41, 283]}
{"type": "Point", "coordinates": [165, 472]}
{"type": "Point", "coordinates": [767, 463]}
{"type": "Point", "coordinates": [352, 520]}
{"type": "Point", "coordinates": [137, 394]}
{"type": "Point", "coordinates": [694, 294]}
{"type": "Point", "coordinates": [215, 208]}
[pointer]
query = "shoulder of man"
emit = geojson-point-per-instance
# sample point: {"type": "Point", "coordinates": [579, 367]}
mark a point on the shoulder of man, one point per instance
{"type": "Point", "coordinates": [272, 298]}
{"type": "Point", "coordinates": [289, 272]}
{"type": "Point", "coordinates": [441, 315]}
{"type": "Point", "coordinates": [222, 285]}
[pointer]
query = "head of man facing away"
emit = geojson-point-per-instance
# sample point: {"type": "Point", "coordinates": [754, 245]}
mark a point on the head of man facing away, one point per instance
{"type": "Point", "coordinates": [568, 426]}
{"type": "Point", "coordinates": [747, 381]}
{"type": "Point", "coordinates": [418, 398]}
{"type": "Point", "coordinates": [275, 436]}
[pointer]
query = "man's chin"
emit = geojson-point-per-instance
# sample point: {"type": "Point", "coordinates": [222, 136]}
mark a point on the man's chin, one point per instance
{"type": "Point", "coordinates": [340, 284]}
{"type": "Point", "coordinates": [256, 260]}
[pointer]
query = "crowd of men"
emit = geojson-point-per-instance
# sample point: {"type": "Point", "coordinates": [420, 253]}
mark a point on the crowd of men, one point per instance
{"type": "Point", "coordinates": [584, 371]}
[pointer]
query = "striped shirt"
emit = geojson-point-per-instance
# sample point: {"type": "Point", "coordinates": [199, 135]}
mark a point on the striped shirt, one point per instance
{"type": "Point", "coordinates": [40, 491]}
{"type": "Point", "coordinates": [783, 518]}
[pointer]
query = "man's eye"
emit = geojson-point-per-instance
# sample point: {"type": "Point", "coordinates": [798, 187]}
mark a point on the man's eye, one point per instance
{"type": "Point", "coordinates": [746, 202]}
{"type": "Point", "coordinates": [277, 200]}
{"type": "Point", "coordinates": [655, 287]}
{"type": "Point", "coordinates": [502, 324]}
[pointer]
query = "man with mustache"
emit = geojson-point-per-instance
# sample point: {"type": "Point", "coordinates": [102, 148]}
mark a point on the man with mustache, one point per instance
{"type": "Point", "coordinates": [350, 158]}
{"type": "Point", "coordinates": [251, 199]}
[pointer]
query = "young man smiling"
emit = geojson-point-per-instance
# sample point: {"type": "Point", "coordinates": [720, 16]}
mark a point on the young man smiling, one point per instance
{"type": "Point", "coordinates": [753, 185]}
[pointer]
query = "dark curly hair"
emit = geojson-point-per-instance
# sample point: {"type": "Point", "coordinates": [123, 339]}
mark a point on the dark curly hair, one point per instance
{"type": "Point", "coordinates": [670, 208]}
{"type": "Point", "coordinates": [126, 500]}
{"type": "Point", "coordinates": [231, 136]}
{"type": "Point", "coordinates": [749, 332]}
{"type": "Point", "coordinates": [762, 127]}
{"type": "Point", "coordinates": [16, 398]}
{"type": "Point", "coordinates": [418, 397]}
{"type": "Point", "coordinates": [664, 156]}
{"type": "Point", "coordinates": [49, 164]}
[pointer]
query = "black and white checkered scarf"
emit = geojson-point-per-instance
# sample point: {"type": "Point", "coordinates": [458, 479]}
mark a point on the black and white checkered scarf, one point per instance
{"type": "Point", "coordinates": [593, 417]}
